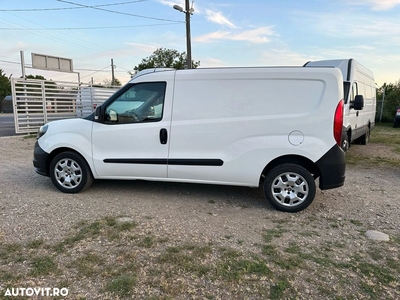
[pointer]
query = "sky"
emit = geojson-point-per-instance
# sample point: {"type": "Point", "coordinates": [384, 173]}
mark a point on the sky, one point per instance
{"type": "Point", "coordinates": [223, 34]}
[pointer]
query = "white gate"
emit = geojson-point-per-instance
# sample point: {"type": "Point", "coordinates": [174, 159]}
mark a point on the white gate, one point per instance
{"type": "Point", "coordinates": [36, 102]}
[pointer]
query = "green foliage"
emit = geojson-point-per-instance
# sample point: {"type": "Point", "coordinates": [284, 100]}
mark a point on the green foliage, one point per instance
{"type": "Point", "coordinates": [391, 101]}
{"type": "Point", "coordinates": [108, 83]}
{"type": "Point", "coordinates": [38, 77]}
{"type": "Point", "coordinates": [43, 266]}
{"type": "Point", "coordinates": [165, 58]}
{"type": "Point", "coordinates": [5, 85]}
{"type": "Point", "coordinates": [116, 82]}
{"type": "Point", "coordinates": [121, 285]}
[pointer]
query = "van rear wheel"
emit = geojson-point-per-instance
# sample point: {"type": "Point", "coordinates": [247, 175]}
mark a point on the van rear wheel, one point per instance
{"type": "Point", "coordinates": [70, 173]}
{"type": "Point", "coordinates": [289, 187]}
{"type": "Point", "coordinates": [345, 143]}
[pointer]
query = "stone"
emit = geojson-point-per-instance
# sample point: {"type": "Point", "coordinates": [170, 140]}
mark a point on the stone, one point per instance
{"type": "Point", "coordinates": [377, 235]}
{"type": "Point", "coordinates": [124, 220]}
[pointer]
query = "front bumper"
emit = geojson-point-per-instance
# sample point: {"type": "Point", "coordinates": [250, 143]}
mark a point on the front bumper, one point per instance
{"type": "Point", "coordinates": [40, 160]}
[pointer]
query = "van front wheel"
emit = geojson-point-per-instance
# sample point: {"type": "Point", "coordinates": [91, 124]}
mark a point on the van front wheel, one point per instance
{"type": "Point", "coordinates": [70, 173]}
{"type": "Point", "coordinates": [289, 187]}
{"type": "Point", "coordinates": [365, 138]}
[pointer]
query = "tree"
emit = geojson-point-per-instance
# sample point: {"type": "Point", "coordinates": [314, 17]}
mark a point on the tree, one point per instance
{"type": "Point", "coordinates": [39, 77]}
{"type": "Point", "coordinates": [116, 82]}
{"type": "Point", "coordinates": [165, 58]}
{"type": "Point", "coordinates": [109, 82]}
{"type": "Point", "coordinates": [5, 85]}
{"type": "Point", "coordinates": [35, 87]}
{"type": "Point", "coordinates": [392, 100]}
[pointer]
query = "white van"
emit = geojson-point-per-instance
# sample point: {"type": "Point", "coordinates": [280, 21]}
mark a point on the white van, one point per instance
{"type": "Point", "coordinates": [279, 127]}
{"type": "Point", "coordinates": [359, 98]}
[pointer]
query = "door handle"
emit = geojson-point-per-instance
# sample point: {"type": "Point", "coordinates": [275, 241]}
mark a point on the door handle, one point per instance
{"type": "Point", "coordinates": [163, 136]}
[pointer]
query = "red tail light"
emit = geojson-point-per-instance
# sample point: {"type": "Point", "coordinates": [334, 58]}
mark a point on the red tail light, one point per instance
{"type": "Point", "coordinates": [338, 123]}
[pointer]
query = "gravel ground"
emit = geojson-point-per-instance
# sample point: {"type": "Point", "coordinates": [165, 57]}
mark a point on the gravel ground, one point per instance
{"type": "Point", "coordinates": [230, 217]}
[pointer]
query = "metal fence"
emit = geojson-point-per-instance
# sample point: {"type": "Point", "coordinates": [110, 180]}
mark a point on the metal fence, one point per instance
{"type": "Point", "coordinates": [36, 102]}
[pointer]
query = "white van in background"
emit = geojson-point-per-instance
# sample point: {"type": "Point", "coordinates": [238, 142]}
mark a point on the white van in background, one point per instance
{"type": "Point", "coordinates": [359, 97]}
{"type": "Point", "coordinates": [276, 127]}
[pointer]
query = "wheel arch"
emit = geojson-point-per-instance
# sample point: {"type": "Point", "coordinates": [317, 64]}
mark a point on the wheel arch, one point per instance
{"type": "Point", "coordinates": [349, 132]}
{"type": "Point", "coordinates": [57, 151]}
{"type": "Point", "coordinates": [306, 163]}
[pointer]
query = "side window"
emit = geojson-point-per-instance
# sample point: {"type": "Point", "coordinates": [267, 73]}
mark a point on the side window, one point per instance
{"type": "Point", "coordinates": [142, 102]}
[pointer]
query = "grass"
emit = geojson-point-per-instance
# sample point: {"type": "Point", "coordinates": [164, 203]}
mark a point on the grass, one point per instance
{"type": "Point", "coordinates": [383, 134]}
{"type": "Point", "coordinates": [112, 260]}
{"type": "Point", "coordinates": [43, 265]}
{"type": "Point", "coordinates": [121, 285]}
{"type": "Point", "coordinates": [88, 264]}
{"type": "Point", "coordinates": [29, 136]}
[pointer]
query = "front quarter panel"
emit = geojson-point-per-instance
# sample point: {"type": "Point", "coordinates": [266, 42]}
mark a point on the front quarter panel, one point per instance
{"type": "Point", "coordinates": [74, 134]}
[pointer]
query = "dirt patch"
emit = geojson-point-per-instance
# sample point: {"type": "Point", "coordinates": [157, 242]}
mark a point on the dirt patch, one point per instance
{"type": "Point", "coordinates": [198, 241]}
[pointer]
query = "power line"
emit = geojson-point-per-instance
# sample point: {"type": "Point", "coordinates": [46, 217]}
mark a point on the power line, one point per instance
{"type": "Point", "coordinates": [95, 72]}
{"type": "Point", "coordinates": [120, 13]}
{"type": "Point", "coordinates": [102, 70]}
{"type": "Point", "coordinates": [69, 8]}
{"type": "Point", "coordinates": [58, 39]}
{"type": "Point", "coordinates": [88, 28]}
{"type": "Point", "coordinates": [10, 62]}
{"type": "Point", "coordinates": [61, 40]}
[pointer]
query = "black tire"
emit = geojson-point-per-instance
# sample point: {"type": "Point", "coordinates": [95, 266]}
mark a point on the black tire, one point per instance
{"type": "Point", "coordinates": [395, 124]}
{"type": "Point", "coordinates": [365, 138]}
{"type": "Point", "coordinates": [289, 187]}
{"type": "Point", "coordinates": [70, 173]}
{"type": "Point", "coordinates": [345, 143]}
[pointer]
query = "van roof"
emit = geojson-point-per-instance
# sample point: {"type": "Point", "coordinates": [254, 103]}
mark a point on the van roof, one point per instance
{"type": "Point", "coordinates": [152, 70]}
{"type": "Point", "coordinates": [343, 65]}
{"type": "Point", "coordinates": [155, 70]}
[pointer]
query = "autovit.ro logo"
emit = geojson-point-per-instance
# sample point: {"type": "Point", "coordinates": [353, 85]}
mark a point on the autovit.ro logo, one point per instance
{"type": "Point", "coordinates": [36, 291]}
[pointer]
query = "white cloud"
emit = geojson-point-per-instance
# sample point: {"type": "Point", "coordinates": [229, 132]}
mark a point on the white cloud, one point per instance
{"type": "Point", "coordinates": [211, 62]}
{"type": "Point", "coordinates": [376, 4]}
{"type": "Point", "coordinates": [284, 57]}
{"type": "Point", "coordinates": [348, 25]}
{"type": "Point", "coordinates": [219, 18]}
{"type": "Point", "coordinates": [172, 3]}
{"type": "Point", "coordinates": [136, 48]}
{"type": "Point", "coordinates": [256, 36]}
{"type": "Point", "coordinates": [181, 3]}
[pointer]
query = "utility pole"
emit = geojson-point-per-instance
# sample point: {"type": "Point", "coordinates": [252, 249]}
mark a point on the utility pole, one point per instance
{"type": "Point", "coordinates": [112, 72]}
{"type": "Point", "coordinates": [23, 64]}
{"type": "Point", "coordinates": [383, 101]}
{"type": "Point", "coordinates": [188, 43]}
{"type": "Point", "coordinates": [188, 11]}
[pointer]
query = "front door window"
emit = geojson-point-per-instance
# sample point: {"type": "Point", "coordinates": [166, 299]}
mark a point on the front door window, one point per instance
{"type": "Point", "coordinates": [142, 102]}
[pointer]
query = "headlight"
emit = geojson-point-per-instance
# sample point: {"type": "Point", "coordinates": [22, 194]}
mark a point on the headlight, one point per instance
{"type": "Point", "coordinates": [42, 130]}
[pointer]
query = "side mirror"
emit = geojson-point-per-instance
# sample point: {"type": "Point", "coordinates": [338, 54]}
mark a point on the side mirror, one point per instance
{"type": "Point", "coordinates": [98, 114]}
{"type": "Point", "coordinates": [359, 102]}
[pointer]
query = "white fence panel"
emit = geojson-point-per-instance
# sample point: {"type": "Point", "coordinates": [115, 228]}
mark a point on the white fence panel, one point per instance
{"type": "Point", "coordinates": [36, 102]}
